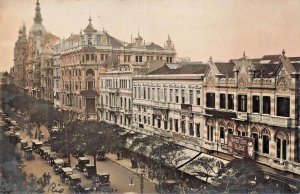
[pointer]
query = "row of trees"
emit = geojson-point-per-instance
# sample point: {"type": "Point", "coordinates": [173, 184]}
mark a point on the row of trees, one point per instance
{"type": "Point", "coordinates": [90, 137]}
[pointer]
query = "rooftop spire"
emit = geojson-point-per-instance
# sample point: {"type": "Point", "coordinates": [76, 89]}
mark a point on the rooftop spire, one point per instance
{"type": "Point", "coordinates": [90, 18]}
{"type": "Point", "coordinates": [38, 17]}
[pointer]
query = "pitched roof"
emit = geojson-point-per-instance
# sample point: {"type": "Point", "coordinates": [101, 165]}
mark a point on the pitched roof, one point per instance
{"type": "Point", "coordinates": [199, 68]}
{"type": "Point", "coordinates": [226, 68]}
{"type": "Point", "coordinates": [265, 70]}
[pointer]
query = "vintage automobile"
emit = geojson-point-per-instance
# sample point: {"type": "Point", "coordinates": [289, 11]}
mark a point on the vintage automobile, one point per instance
{"type": "Point", "coordinates": [89, 171]}
{"type": "Point", "coordinates": [28, 153]}
{"type": "Point", "coordinates": [82, 162]}
{"type": "Point", "coordinates": [24, 143]}
{"type": "Point", "coordinates": [45, 154]}
{"type": "Point", "coordinates": [51, 157]}
{"type": "Point", "coordinates": [101, 155]}
{"type": "Point", "coordinates": [74, 180]}
{"type": "Point", "coordinates": [65, 172]}
{"type": "Point", "coordinates": [14, 138]}
{"type": "Point", "coordinates": [36, 145]}
{"type": "Point", "coordinates": [58, 163]}
{"type": "Point", "coordinates": [78, 154]}
{"type": "Point", "coordinates": [102, 183]}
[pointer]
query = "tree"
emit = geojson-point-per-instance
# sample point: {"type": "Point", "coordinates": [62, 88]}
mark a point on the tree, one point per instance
{"type": "Point", "coordinates": [240, 175]}
{"type": "Point", "coordinates": [206, 167]}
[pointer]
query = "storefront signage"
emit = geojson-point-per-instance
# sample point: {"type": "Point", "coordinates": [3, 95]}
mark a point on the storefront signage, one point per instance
{"type": "Point", "coordinates": [241, 146]}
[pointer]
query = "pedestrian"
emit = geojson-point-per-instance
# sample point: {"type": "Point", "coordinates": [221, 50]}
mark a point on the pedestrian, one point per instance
{"type": "Point", "coordinates": [45, 178]}
{"type": "Point", "coordinates": [49, 178]}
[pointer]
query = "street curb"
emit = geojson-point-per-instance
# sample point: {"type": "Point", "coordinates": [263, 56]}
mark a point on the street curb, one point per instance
{"type": "Point", "coordinates": [130, 169]}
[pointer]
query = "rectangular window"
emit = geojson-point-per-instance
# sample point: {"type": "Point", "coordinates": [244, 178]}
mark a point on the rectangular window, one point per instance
{"type": "Point", "coordinates": [210, 100]}
{"type": "Point", "coordinates": [171, 95]}
{"type": "Point", "coordinates": [191, 129]}
{"type": "Point", "coordinates": [222, 133]}
{"type": "Point", "coordinates": [171, 124]}
{"type": "Point", "coordinates": [165, 95]}
{"type": "Point", "coordinates": [158, 92]}
{"type": "Point", "coordinates": [222, 101]}
{"type": "Point", "coordinates": [242, 103]}
{"type": "Point", "coordinates": [266, 105]}
{"type": "Point", "coordinates": [176, 96]}
{"type": "Point", "coordinates": [165, 125]}
{"type": "Point", "coordinates": [191, 97]}
{"type": "Point", "coordinates": [176, 124]}
{"type": "Point", "coordinates": [198, 97]}
{"type": "Point", "coordinates": [153, 94]}
{"type": "Point", "coordinates": [197, 129]}
{"type": "Point", "coordinates": [278, 148]}
{"type": "Point", "coordinates": [134, 93]}
{"type": "Point", "coordinates": [183, 130]}
{"type": "Point", "coordinates": [255, 104]}
{"type": "Point", "coordinates": [283, 106]}
{"type": "Point", "coordinates": [230, 100]}
{"type": "Point", "coordinates": [182, 97]}
{"type": "Point", "coordinates": [141, 58]}
{"type": "Point", "coordinates": [136, 58]}
{"type": "Point", "coordinates": [148, 93]}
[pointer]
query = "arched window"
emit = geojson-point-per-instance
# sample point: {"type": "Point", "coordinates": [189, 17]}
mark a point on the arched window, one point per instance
{"type": "Point", "coordinates": [210, 130]}
{"type": "Point", "coordinates": [129, 104]}
{"type": "Point", "coordinates": [266, 140]}
{"type": "Point", "coordinates": [121, 101]}
{"type": "Point", "coordinates": [125, 102]}
{"type": "Point", "coordinates": [90, 72]}
{"type": "Point", "coordinates": [254, 134]}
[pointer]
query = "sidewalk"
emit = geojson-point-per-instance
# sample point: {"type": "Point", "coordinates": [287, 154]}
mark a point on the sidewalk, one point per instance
{"type": "Point", "coordinates": [126, 163]}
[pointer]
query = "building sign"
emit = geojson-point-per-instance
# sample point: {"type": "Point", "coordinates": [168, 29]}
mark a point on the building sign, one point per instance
{"type": "Point", "coordinates": [241, 146]}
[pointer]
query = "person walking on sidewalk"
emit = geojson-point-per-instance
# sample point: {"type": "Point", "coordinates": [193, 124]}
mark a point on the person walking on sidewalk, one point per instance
{"type": "Point", "coordinates": [48, 178]}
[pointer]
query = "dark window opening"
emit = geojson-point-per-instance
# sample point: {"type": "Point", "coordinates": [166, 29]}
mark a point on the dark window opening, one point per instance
{"type": "Point", "coordinates": [283, 106]}
{"type": "Point", "coordinates": [176, 125]}
{"type": "Point", "coordinates": [255, 104]}
{"type": "Point", "coordinates": [255, 136]}
{"type": "Point", "coordinates": [266, 105]}
{"type": "Point", "coordinates": [191, 127]}
{"type": "Point", "coordinates": [222, 101]}
{"type": "Point", "coordinates": [266, 143]}
{"type": "Point", "coordinates": [183, 130]}
{"type": "Point", "coordinates": [222, 133]}
{"type": "Point", "coordinates": [198, 130]}
{"type": "Point", "coordinates": [210, 100]}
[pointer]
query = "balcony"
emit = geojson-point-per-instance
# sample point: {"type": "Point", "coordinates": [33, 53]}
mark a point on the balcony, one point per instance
{"type": "Point", "coordinates": [271, 120]}
{"type": "Point", "coordinates": [242, 115]}
{"type": "Point", "coordinates": [114, 90]}
{"type": "Point", "coordinates": [114, 108]}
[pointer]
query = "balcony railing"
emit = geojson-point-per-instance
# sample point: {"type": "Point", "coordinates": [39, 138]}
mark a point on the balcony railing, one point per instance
{"type": "Point", "coordinates": [271, 120]}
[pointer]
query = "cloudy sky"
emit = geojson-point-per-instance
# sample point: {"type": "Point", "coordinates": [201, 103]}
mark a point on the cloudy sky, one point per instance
{"type": "Point", "coordinates": [222, 29]}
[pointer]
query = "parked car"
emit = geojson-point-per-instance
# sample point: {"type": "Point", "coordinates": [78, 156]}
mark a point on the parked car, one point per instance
{"type": "Point", "coordinates": [102, 183]}
{"type": "Point", "coordinates": [36, 145]}
{"type": "Point", "coordinates": [82, 162]}
{"type": "Point", "coordinates": [51, 157]}
{"type": "Point", "coordinates": [74, 180]}
{"type": "Point", "coordinates": [65, 172]}
{"type": "Point", "coordinates": [24, 143]}
{"type": "Point", "coordinates": [89, 171]}
{"type": "Point", "coordinates": [79, 154]}
{"type": "Point", "coordinates": [28, 153]}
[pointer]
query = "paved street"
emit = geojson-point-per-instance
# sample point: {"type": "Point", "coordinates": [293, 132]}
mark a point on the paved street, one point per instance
{"type": "Point", "coordinates": [118, 174]}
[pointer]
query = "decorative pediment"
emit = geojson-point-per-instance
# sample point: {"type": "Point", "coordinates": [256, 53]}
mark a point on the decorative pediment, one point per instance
{"type": "Point", "coordinates": [282, 83]}
{"type": "Point", "coordinates": [242, 84]}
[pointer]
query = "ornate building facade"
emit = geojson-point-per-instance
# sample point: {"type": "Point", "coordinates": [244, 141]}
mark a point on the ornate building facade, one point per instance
{"type": "Point", "coordinates": [241, 108]}
{"type": "Point", "coordinates": [84, 57]}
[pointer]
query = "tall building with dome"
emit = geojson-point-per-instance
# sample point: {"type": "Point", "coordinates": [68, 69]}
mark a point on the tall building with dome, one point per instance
{"type": "Point", "coordinates": [27, 54]}
{"type": "Point", "coordinates": [85, 55]}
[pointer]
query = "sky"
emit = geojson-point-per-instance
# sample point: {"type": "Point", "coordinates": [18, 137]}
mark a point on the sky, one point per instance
{"type": "Point", "coordinates": [223, 29]}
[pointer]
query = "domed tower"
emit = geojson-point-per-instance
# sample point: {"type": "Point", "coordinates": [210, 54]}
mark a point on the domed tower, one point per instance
{"type": "Point", "coordinates": [37, 29]}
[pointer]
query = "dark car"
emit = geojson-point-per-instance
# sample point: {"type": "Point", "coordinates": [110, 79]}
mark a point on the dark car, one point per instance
{"type": "Point", "coordinates": [28, 153]}
{"type": "Point", "coordinates": [101, 182]}
{"type": "Point", "coordinates": [101, 155]}
{"type": "Point", "coordinates": [24, 143]}
{"type": "Point", "coordinates": [79, 154]}
{"type": "Point", "coordinates": [82, 162]}
{"type": "Point", "coordinates": [36, 145]}
{"type": "Point", "coordinates": [51, 157]}
{"type": "Point", "coordinates": [89, 171]}
{"type": "Point", "coordinates": [73, 180]}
